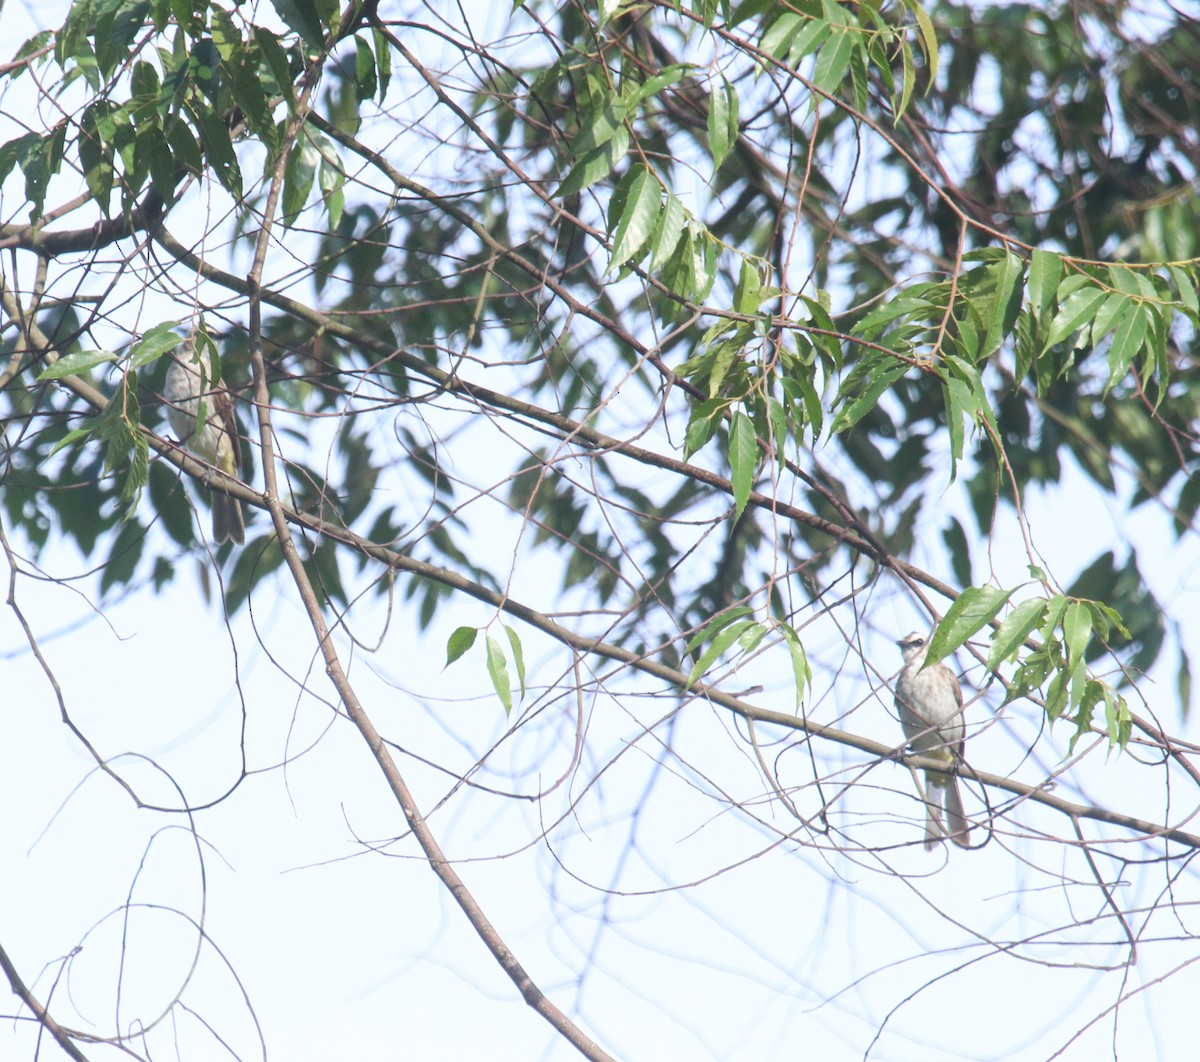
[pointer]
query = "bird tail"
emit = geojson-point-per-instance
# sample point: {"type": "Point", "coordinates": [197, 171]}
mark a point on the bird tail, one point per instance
{"type": "Point", "coordinates": [228, 520]}
{"type": "Point", "coordinates": [942, 791]}
{"type": "Point", "coordinates": [934, 830]}
{"type": "Point", "coordinates": [960, 829]}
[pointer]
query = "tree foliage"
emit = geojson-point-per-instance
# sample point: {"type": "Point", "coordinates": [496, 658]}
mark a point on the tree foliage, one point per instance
{"type": "Point", "coordinates": [670, 348]}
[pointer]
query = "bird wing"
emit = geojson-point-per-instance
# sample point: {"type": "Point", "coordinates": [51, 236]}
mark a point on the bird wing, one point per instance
{"type": "Point", "coordinates": [223, 402]}
{"type": "Point", "coordinates": [960, 746]}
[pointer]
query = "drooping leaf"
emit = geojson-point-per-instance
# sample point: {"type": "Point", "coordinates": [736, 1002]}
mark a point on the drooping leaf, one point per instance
{"type": "Point", "coordinates": [973, 609]}
{"type": "Point", "coordinates": [459, 642]}
{"type": "Point", "coordinates": [717, 648]}
{"type": "Point", "coordinates": [497, 668]}
{"type": "Point", "coordinates": [722, 121]}
{"type": "Point", "coordinates": [302, 17]}
{"type": "Point", "coordinates": [1017, 626]}
{"type": "Point", "coordinates": [298, 178]}
{"type": "Point", "coordinates": [1077, 629]}
{"type": "Point", "coordinates": [518, 652]}
{"type": "Point", "coordinates": [78, 362]}
{"type": "Point", "coordinates": [801, 671]}
{"type": "Point", "coordinates": [637, 219]}
{"type": "Point", "coordinates": [743, 459]}
{"type": "Point", "coordinates": [1072, 313]}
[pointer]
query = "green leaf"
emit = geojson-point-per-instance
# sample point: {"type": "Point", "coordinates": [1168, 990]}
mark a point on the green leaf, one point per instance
{"type": "Point", "coordinates": [1078, 308]}
{"type": "Point", "coordinates": [637, 219]}
{"type": "Point", "coordinates": [1127, 341]}
{"type": "Point", "coordinates": [752, 637]}
{"type": "Point", "coordinates": [777, 40]}
{"type": "Point", "coordinates": [204, 64]}
{"type": "Point", "coordinates": [459, 642]}
{"type": "Point", "coordinates": [247, 87]}
{"type": "Point", "coordinates": [40, 158]}
{"type": "Point", "coordinates": [860, 78]}
{"type": "Point", "coordinates": [226, 35]}
{"type": "Point", "coordinates": [332, 183]}
{"type": "Point", "coordinates": [743, 459]}
{"type": "Point", "coordinates": [332, 179]}
{"type": "Point", "coordinates": [652, 86]}
{"type": "Point", "coordinates": [1017, 626]}
{"type": "Point", "coordinates": [1077, 630]}
{"type": "Point", "coordinates": [955, 539]}
{"type": "Point", "coordinates": [834, 59]}
{"type": "Point", "coordinates": [185, 150]}
{"type": "Point", "coordinates": [302, 17]}
{"type": "Point", "coordinates": [705, 258]}
{"type": "Point", "coordinates": [724, 355]}
{"type": "Point", "coordinates": [365, 82]}
{"type": "Point", "coordinates": [965, 396]}
{"type": "Point", "coordinates": [928, 38]}
{"type": "Point", "coordinates": [957, 400]}
{"type": "Point", "coordinates": [1002, 313]}
{"type": "Point", "coordinates": [298, 178]}
{"type": "Point", "coordinates": [777, 418]}
{"type": "Point", "coordinates": [723, 126]}
{"type": "Point", "coordinates": [667, 231]}
{"type": "Point", "coordinates": [145, 87]}
{"type": "Point", "coordinates": [383, 62]}
{"type": "Point", "coordinates": [1183, 683]}
{"type": "Point", "coordinates": [154, 344]}
{"type": "Point", "coordinates": [908, 81]}
{"type": "Point", "coordinates": [1185, 284]}
{"type": "Point", "coordinates": [74, 436]}
{"type": "Point", "coordinates": [1104, 617]}
{"type": "Point", "coordinates": [718, 647]}
{"type": "Point", "coordinates": [518, 655]}
{"type": "Point", "coordinates": [972, 611]}
{"type": "Point", "coordinates": [498, 670]}
{"type": "Point", "coordinates": [717, 623]}
{"type": "Point", "coordinates": [1106, 317]}
{"type": "Point", "coordinates": [701, 425]}
{"type": "Point", "coordinates": [747, 295]}
{"type": "Point", "coordinates": [122, 559]}
{"type": "Point", "coordinates": [1055, 609]}
{"type": "Point", "coordinates": [214, 134]}
{"type": "Point", "coordinates": [677, 272]}
{"type": "Point", "coordinates": [815, 33]}
{"type": "Point", "coordinates": [79, 361]}
{"type": "Point", "coordinates": [116, 26]}
{"type": "Point", "coordinates": [277, 60]}
{"type": "Point", "coordinates": [884, 373]}
{"type": "Point", "coordinates": [13, 150]}
{"type": "Point", "coordinates": [96, 152]}
{"type": "Point", "coordinates": [1056, 696]}
{"type": "Point", "coordinates": [828, 341]}
{"type": "Point", "coordinates": [801, 671]}
{"type": "Point", "coordinates": [1118, 719]}
{"type": "Point", "coordinates": [154, 155]}
{"type": "Point", "coordinates": [602, 121]}
{"type": "Point", "coordinates": [596, 164]}
{"type": "Point", "coordinates": [1045, 270]}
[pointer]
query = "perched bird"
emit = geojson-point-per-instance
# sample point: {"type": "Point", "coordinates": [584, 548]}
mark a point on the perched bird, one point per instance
{"type": "Point", "coordinates": [189, 383]}
{"type": "Point", "coordinates": [930, 703]}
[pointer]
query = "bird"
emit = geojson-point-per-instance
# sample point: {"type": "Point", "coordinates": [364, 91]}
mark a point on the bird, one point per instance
{"type": "Point", "coordinates": [930, 703]}
{"type": "Point", "coordinates": [189, 384]}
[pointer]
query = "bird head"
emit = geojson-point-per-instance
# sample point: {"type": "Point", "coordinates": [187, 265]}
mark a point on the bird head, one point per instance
{"type": "Point", "coordinates": [912, 644]}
